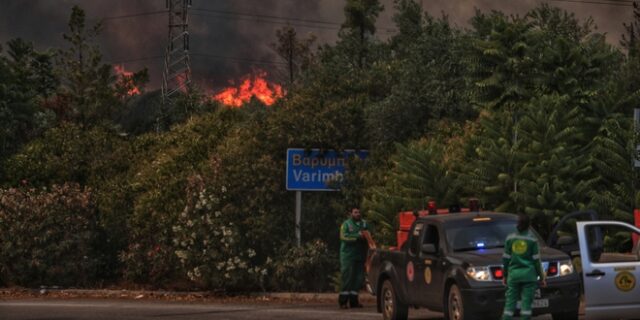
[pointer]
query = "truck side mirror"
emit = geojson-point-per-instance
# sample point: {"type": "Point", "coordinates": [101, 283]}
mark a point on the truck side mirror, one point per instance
{"type": "Point", "coordinates": [429, 248]}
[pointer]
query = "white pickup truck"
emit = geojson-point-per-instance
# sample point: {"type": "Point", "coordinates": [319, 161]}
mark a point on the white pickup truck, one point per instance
{"type": "Point", "coordinates": [611, 269]}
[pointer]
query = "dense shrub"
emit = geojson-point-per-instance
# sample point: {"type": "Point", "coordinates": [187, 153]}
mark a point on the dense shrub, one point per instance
{"type": "Point", "coordinates": [158, 180]}
{"type": "Point", "coordinates": [47, 237]}
{"type": "Point", "coordinates": [309, 267]}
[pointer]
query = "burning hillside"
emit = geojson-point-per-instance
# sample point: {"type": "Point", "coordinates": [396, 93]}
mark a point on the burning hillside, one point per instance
{"type": "Point", "coordinates": [254, 85]}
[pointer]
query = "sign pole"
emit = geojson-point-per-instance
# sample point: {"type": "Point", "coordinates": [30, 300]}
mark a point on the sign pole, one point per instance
{"type": "Point", "coordinates": [313, 170]}
{"type": "Point", "coordinates": [298, 215]}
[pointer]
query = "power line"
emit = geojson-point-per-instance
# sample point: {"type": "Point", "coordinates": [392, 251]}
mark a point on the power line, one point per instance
{"type": "Point", "coordinates": [204, 55]}
{"type": "Point", "coordinates": [610, 3]}
{"type": "Point", "coordinates": [243, 16]}
{"type": "Point", "coordinates": [254, 61]}
{"type": "Point", "coordinates": [118, 61]}
{"type": "Point", "coordinates": [268, 16]}
{"type": "Point", "coordinates": [133, 15]}
{"type": "Point", "coordinates": [284, 22]}
{"type": "Point", "coordinates": [268, 21]}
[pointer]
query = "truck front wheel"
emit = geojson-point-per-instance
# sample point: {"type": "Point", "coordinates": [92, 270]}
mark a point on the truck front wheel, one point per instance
{"type": "Point", "coordinates": [392, 308]}
{"type": "Point", "coordinates": [455, 305]}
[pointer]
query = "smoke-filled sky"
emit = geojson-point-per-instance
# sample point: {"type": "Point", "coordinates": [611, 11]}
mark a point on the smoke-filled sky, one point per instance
{"type": "Point", "coordinates": [230, 38]}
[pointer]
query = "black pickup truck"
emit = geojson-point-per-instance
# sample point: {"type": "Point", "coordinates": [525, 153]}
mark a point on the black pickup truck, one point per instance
{"type": "Point", "coordinates": [453, 263]}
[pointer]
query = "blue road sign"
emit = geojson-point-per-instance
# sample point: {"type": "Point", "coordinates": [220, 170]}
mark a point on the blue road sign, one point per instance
{"type": "Point", "coordinates": [315, 171]}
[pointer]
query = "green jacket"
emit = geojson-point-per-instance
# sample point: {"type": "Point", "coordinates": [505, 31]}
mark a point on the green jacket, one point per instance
{"type": "Point", "coordinates": [352, 246]}
{"type": "Point", "coordinates": [521, 258]}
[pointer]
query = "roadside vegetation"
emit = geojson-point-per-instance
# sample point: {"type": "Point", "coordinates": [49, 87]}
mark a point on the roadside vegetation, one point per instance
{"type": "Point", "coordinates": [529, 113]}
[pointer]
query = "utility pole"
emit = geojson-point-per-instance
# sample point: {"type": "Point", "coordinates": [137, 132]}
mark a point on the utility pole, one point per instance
{"type": "Point", "coordinates": [177, 68]}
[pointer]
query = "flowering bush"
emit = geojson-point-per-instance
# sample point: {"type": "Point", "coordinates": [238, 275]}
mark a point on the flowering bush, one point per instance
{"type": "Point", "coordinates": [47, 236]}
{"type": "Point", "coordinates": [158, 182]}
{"type": "Point", "coordinates": [209, 245]}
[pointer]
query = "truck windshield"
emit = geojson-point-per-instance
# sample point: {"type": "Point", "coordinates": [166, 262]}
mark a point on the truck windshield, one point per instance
{"type": "Point", "coordinates": [480, 235]}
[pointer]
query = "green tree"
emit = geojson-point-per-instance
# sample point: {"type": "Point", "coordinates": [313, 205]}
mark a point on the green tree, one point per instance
{"type": "Point", "coordinates": [429, 85]}
{"type": "Point", "coordinates": [491, 162]}
{"type": "Point", "coordinates": [555, 175]}
{"type": "Point", "coordinates": [87, 84]}
{"type": "Point", "coordinates": [630, 39]}
{"type": "Point", "coordinates": [26, 81]}
{"type": "Point", "coordinates": [546, 53]}
{"type": "Point", "coordinates": [420, 171]}
{"type": "Point", "coordinates": [359, 27]}
{"type": "Point", "coordinates": [296, 52]}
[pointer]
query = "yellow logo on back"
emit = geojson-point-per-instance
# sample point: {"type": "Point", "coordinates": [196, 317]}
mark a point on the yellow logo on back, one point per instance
{"type": "Point", "coordinates": [519, 246]}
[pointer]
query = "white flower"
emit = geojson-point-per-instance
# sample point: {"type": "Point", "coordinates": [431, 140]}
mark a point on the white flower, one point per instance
{"type": "Point", "coordinates": [251, 253]}
{"type": "Point", "coordinates": [182, 254]}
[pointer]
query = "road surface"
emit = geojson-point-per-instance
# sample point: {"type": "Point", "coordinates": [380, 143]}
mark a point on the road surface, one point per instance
{"type": "Point", "coordinates": [81, 309]}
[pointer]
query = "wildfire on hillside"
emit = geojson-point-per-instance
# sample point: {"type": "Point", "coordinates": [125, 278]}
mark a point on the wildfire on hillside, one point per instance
{"type": "Point", "coordinates": [253, 85]}
{"type": "Point", "coordinates": [125, 79]}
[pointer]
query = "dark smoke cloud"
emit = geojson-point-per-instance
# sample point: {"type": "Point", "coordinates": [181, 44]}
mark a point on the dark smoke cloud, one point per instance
{"type": "Point", "coordinates": [246, 38]}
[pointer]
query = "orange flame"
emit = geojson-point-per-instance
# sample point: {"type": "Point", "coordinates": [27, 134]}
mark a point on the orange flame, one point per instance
{"type": "Point", "coordinates": [252, 86]}
{"type": "Point", "coordinates": [126, 79]}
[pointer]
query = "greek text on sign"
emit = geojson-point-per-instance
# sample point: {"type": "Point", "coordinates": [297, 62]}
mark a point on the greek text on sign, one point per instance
{"type": "Point", "coordinates": [315, 171]}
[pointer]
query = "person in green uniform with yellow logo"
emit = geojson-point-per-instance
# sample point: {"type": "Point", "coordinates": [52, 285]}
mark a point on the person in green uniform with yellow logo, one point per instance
{"type": "Point", "coordinates": [522, 269]}
{"type": "Point", "coordinates": [353, 253]}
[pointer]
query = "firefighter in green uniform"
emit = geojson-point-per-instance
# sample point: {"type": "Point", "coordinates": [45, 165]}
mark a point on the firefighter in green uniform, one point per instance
{"type": "Point", "coordinates": [522, 269]}
{"type": "Point", "coordinates": [353, 253]}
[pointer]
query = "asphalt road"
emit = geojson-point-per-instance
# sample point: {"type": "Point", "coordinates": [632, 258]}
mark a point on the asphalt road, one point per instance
{"type": "Point", "coordinates": [81, 309]}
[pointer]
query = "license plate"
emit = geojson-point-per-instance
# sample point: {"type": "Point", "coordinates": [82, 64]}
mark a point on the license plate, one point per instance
{"type": "Point", "coordinates": [537, 303]}
{"type": "Point", "coordinates": [540, 303]}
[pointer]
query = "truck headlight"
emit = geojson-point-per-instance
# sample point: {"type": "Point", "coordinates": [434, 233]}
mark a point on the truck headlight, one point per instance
{"type": "Point", "coordinates": [479, 273]}
{"type": "Point", "coordinates": [566, 267]}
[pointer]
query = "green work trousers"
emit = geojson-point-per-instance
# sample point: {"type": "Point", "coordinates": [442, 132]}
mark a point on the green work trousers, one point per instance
{"type": "Point", "coordinates": [523, 291]}
{"type": "Point", "coordinates": [352, 272]}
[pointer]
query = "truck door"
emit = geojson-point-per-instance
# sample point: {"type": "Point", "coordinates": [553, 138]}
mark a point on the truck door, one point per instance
{"type": "Point", "coordinates": [413, 257]}
{"type": "Point", "coordinates": [611, 268]}
{"type": "Point", "coordinates": [430, 268]}
{"type": "Point", "coordinates": [564, 236]}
